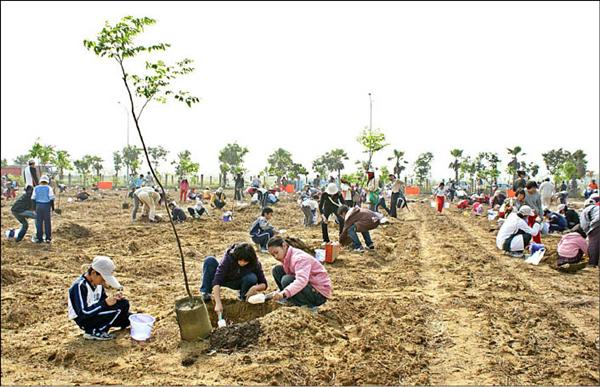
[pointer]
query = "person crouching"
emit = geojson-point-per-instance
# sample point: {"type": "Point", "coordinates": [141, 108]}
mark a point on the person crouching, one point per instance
{"type": "Point", "coordinates": [89, 306]}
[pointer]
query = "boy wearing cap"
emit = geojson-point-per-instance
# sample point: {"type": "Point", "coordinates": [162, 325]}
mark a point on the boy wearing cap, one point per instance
{"type": "Point", "coordinates": [43, 197]}
{"type": "Point", "coordinates": [515, 234]}
{"type": "Point", "coordinates": [331, 200]}
{"type": "Point", "coordinates": [89, 305]}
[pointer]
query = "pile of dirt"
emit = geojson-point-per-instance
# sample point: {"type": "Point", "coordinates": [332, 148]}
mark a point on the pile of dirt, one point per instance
{"type": "Point", "coordinates": [9, 276]}
{"type": "Point", "coordinates": [235, 337]}
{"type": "Point", "coordinates": [73, 231]}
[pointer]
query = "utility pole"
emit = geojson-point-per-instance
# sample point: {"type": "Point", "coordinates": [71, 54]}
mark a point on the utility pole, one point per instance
{"type": "Point", "coordinates": [370, 113]}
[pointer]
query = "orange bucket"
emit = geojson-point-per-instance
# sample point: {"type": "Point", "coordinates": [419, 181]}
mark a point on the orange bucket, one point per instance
{"type": "Point", "coordinates": [332, 250]}
{"type": "Point", "coordinates": [105, 184]}
{"type": "Point", "coordinates": [412, 190]}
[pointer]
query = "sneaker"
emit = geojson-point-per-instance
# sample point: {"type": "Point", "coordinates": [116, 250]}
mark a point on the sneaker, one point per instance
{"type": "Point", "coordinates": [359, 250]}
{"type": "Point", "coordinates": [103, 336]}
{"type": "Point", "coordinates": [206, 297]}
{"type": "Point", "coordinates": [371, 247]}
{"type": "Point", "coordinates": [516, 254]}
{"type": "Point", "coordinates": [48, 240]}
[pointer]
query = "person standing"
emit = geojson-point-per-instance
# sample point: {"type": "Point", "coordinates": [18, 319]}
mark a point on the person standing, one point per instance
{"type": "Point", "coordinates": [346, 192]}
{"type": "Point", "coordinates": [396, 187]}
{"type": "Point", "coordinates": [439, 196]}
{"type": "Point", "coordinates": [563, 186]}
{"type": "Point", "coordinates": [330, 201]}
{"type": "Point", "coordinates": [521, 182]}
{"type": "Point", "coordinates": [184, 185]}
{"type": "Point", "coordinates": [30, 175]}
{"type": "Point", "coordinates": [149, 180]}
{"type": "Point", "coordinates": [533, 200]}
{"type": "Point", "coordinates": [546, 192]}
{"type": "Point", "coordinates": [239, 187]}
{"type": "Point", "coordinates": [43, 196]}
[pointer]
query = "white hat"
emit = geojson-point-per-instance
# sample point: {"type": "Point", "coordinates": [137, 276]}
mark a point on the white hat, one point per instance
{"type": "Point", "coordinates": [331, 189]}
{"type": "Point", "coordinates": [526, 210]}
{"type": "Point", "coordinates": [220, 189]}
{"type": "Point", "coordinates": [561, 207]}
{"type": "Point", "coordinates": [44, 179]}
{"type": "Point", "coordinates": [105, 266]}
{"type": "Point", "coordinates": [589, 201]}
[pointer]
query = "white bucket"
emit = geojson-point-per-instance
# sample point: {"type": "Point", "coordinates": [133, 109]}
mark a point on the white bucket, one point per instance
{"type": "Point", "coordinates": [141, 326]}
{"type": "Point", "coordinates": [433, 204]}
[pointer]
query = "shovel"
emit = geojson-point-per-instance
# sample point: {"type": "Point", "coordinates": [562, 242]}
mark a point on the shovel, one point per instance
{"type": "Point", "coordinates": [260, 298]}
{"type": "Point", "coordinates": [221, 323]}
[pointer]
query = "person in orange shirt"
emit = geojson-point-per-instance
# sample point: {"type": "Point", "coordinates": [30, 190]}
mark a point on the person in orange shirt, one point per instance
{"type": "Point", "coordinates": [591, 188]}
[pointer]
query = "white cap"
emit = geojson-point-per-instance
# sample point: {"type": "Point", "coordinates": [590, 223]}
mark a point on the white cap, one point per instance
{"type": "Point", "coordinates": [105, 266]}
{"type": "Point", "coordinates": [331, 189]}
{"type": "Point", "coordinates": [45, 179]}
{"type": "Point", "coordinates": [526, 210]}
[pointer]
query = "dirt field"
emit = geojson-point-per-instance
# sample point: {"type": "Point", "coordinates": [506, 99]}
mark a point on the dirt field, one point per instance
{"type": "Point", "coordinates": [436, 303]}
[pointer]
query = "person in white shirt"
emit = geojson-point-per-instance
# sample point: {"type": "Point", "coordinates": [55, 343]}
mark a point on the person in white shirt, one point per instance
{"type": "Point", "coordinates": [30, 174]}
{"type": "Point", "coordinates": [546, 191]}
{"type": "Point", "coordinates": [346, 192]}
{"type": "Point", "coordinates": [309, 208]}
{"type": "Point", "coordinates": [150, 198]}
{"type": "Point", "coordinates": [514, 234]}
{"type": "Point", "coordinates": [440, 195]}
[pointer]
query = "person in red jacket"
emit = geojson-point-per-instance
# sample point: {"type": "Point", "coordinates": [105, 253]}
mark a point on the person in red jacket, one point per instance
{"type": "Point", "coordinates": [184, 185]}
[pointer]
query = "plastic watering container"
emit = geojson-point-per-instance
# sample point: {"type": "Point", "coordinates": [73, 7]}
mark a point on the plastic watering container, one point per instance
{"type": "Point", "coordinates": [535, 247]}
{"type": "Point", "coordinates": [141, 326]}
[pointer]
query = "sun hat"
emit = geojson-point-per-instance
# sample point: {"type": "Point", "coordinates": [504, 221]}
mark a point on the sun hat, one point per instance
{"type": "Point", "coordinates": [44, 179]}
{"type": "Point", "coordinates": [331, 189]}
{"type": "Point", "coordinates": [106, 267]}
{"type": "Point", "coordinates": [526, 210]}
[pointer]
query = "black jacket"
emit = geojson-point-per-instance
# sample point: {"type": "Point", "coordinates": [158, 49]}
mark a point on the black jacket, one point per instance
{"type": "Point", "coordinates": [329, 204]}
{"type": "Point", "coordinates": [23, 203]}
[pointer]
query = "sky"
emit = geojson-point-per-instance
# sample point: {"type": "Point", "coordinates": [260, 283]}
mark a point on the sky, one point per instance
{"type": "Point", "coordinates": [474, 76]}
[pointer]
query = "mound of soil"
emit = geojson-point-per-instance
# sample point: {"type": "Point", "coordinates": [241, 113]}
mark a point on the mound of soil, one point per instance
{"type": "Point", "coordinates": [235, 337]}
{"type": "Point", "coordinates": [73, 231]}
{"type": "Point", "coordinates": [9, 276]}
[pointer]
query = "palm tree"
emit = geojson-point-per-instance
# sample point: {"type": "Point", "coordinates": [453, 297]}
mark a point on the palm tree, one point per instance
{"type": "Point", "coordinates": [455, 165]}
{"type": "Point", "coordinates": [399, 156]}
{"type": "Point", "coordinates": [62, 161]}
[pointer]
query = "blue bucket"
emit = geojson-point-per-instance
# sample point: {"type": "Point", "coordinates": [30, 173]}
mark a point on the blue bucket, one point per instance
{"type": "Point", "coordinates": [535, 247]}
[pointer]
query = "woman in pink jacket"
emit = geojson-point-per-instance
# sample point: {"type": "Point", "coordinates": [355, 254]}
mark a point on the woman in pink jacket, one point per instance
{"type": "Point", "coordinates": [302, 280]}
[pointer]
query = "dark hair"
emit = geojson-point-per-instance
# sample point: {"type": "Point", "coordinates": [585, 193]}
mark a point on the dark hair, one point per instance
{"type": "Point", "coordinates": [244, 252]}
{"type": "Point", "coordinates": [581, 232]}
{"type": "Point", "coordinates": [266, 210]}
{"type": "Point", "coordinates": [520, 191]}
{"type": "Point", "coordinates": [531, 184]}
{"type": "Point", "coordinates": [520, 173]}
{"type": "Point", "coordinates": [276, 241]}
{"type": "Point", "coordinates": [547, 211]}
{"type": "Point", "coordinates": [342, 209]}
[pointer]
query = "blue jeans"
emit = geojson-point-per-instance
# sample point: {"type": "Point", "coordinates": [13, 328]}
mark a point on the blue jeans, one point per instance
{"type": "Point", "coordinates": [308, 296]}
{"type": "Point", "coordinates": [263, 238]}
{"type": "Point", "coordinates": [242, 284]}
{"type": "Point", "coordinates": [42, 221]}
{"type": "Point", "coordinates": [22, 218]}
{"type": "Point", "coordinates": [354, 236]}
